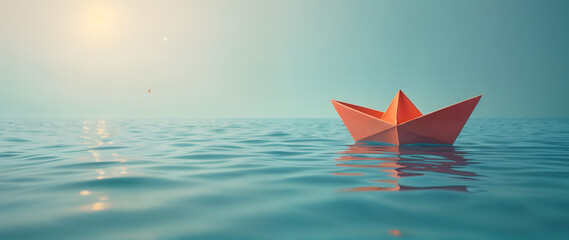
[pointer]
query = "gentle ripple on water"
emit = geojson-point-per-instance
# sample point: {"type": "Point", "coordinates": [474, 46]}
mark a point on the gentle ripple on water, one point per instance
{"type": "Point", "coordinates": [279, 179]}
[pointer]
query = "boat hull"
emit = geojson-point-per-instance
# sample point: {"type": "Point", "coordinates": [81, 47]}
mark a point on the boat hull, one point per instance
{"type": "Point", "coordinates": [439, 127]}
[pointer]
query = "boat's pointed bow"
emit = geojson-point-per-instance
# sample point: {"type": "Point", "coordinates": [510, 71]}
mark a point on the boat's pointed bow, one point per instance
{"type": "Point", "coordinates": [361, 122]}
{"type": "Point", "coordinates": [443, 126]}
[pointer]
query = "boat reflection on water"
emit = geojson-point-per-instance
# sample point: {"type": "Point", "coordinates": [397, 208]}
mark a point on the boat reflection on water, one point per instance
{"type": "Point", "coordinates": [397, 162]}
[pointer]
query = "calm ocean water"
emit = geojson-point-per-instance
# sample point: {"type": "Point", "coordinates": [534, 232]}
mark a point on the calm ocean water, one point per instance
{"type": "Point", "coordinates": [279, 179]}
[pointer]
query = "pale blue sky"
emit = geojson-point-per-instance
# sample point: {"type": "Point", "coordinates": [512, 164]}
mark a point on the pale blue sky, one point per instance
{"type": "Point", "coordinates": [280, 58]}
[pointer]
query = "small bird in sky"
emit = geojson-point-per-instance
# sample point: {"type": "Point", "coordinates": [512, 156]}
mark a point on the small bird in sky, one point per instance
{"type": "Point", "coordinates": [149, 91]}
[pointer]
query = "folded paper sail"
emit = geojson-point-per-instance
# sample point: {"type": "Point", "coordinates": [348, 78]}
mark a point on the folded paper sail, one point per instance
{"type": "Point", "coordinates": [402, 123]}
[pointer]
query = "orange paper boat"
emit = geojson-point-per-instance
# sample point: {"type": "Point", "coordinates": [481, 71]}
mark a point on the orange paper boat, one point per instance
{"type": "Point", "coordinates": [402, 123]}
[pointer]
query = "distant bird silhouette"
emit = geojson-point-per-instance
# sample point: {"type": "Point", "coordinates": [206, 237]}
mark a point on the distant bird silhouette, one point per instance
{"type": "Point", "coordinates": [149, 91]}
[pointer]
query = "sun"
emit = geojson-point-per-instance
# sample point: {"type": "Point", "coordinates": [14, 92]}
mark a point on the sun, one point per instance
{"type": "Point", "coordinates": [99, 20]}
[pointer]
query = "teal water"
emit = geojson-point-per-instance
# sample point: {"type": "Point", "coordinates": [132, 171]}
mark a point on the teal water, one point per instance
{"type": "Point", "coordinates": [279, 179]}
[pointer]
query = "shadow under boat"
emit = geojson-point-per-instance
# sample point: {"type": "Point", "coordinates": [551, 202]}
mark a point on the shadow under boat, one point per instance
{"type": "Point", "coordinates": [397, 162]}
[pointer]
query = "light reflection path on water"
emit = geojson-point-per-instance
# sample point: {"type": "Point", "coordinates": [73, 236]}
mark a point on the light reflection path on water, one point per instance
{"type": "Point", "coordinates": [398, 162]}
{"type": "Point", "coordinates": [96, 136]}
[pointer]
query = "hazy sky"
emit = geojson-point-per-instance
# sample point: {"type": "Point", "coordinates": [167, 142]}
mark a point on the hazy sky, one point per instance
{"type": "Point", "coordinates": [280, 58]}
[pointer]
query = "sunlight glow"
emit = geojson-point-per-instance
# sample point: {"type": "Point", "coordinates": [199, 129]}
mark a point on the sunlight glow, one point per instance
{"type": "Point", "coordinates": [99, 20]}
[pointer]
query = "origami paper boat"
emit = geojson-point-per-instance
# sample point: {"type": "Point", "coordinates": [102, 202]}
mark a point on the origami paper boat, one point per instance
{"type": "Point", "coordinates": [402, 123]}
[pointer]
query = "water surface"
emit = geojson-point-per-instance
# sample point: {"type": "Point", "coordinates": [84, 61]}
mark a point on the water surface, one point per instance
{"type": "Point", "coordinates": [279, 179]}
